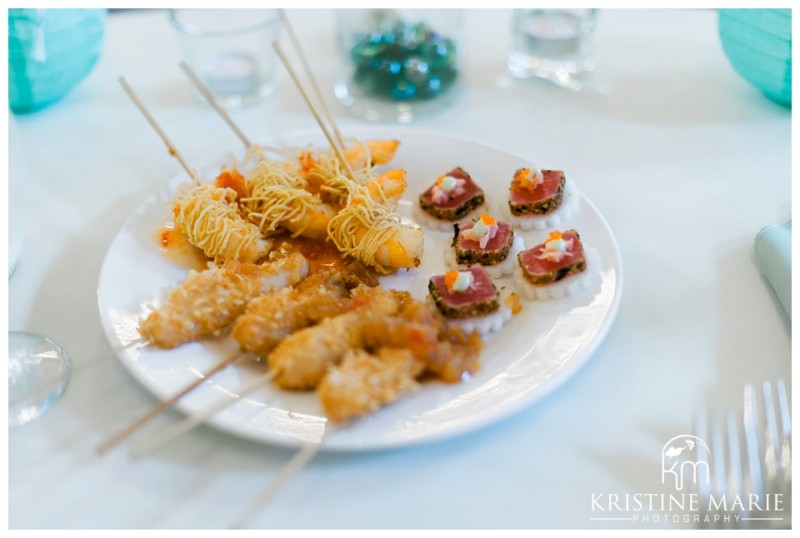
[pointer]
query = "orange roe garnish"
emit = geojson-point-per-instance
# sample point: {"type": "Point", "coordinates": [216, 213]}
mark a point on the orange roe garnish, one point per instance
{"type": "Point", "coordinates": [440, 180]}
{"type": "Point", "coordinates": [524, 179]}
{"type": "Point", "coordinates": [450, 278]}
{"type": "Point", "coordinates": [513, 303]}
{"type": "Point", "coordinates": [554, 236]}
{"type": "Point", "coordinates": [487, 220]}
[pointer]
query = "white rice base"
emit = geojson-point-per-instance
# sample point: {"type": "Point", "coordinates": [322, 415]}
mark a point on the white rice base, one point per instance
{"type": "Point", "coordinates": [482, 325]}
{"type": "Point", "coordinates": [566, 287]}
{"type": "Point", "coordinates": [429, 221]}
{"type": "Point", "coordinates": [554, 219]}
{"type": "Point", "coordinates": [498, 270]}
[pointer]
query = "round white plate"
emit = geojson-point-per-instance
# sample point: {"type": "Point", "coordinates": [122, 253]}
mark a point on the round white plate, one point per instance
{"type": "Point", "coordinates": [535, 352]}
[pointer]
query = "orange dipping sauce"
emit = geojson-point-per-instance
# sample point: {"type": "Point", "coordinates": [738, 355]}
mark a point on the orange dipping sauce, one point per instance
{"type": "Point", "coordinates": [177, 249]}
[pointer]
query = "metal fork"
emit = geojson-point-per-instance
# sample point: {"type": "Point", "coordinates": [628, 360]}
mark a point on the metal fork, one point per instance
{"type": "Point", "coordinates": [749, 479]}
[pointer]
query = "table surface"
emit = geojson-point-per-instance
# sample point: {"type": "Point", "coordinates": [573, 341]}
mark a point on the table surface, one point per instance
{"type": "Point", "coordinates": [684, 159]}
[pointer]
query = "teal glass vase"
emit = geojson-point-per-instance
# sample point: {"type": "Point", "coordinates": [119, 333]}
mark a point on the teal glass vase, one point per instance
{"type": "Point", "coordinates": [758, 44]}
{"type": "Point", "coordinates": [50, 51]}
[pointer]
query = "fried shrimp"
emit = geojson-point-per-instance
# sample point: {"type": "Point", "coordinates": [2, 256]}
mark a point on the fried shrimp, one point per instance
{"type": "Point", "coordinates": [369, 230]}
{"type": "Point", "coordinates": [277, 198]}
{"type": "Point", "coordinates": [209, 218]}
{"type": "Point", "coordinates": [364, 382]}
{"type": "Point", "coordinates": [370, 153]}
{"type": "Point", "coordinates": [376, 236]}
{"type": "Point", "coordinates": [273, 316]}
{"type": "Point", "coordinates": [208, 301]}
{"type": "Point", "coordinates": [301, 360]}
{"type": "Point", "coordinates": [388, 187]}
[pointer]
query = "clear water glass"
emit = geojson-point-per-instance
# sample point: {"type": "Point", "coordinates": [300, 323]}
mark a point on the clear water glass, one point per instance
{"type": "Point", "coordinates": [554, 44]}
{"type": "Point", "coordinates": [38, 373]}
{"type": "Point", "coordinates": [231, 51]}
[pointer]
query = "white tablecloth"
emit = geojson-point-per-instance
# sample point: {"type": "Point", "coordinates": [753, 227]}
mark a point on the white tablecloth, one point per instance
{"type": "Point", "coordinates": [684, 159]}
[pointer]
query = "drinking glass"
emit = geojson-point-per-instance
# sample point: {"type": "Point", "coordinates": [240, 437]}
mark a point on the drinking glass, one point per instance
{"type": "Point", "coordinates": [38, 373]}
{"type": "Point", "coordinates": [231, 51]}
{"type": "Point", "coordinates": [554, 44]}
{"type": "Point", "coordinates": [38, 368]}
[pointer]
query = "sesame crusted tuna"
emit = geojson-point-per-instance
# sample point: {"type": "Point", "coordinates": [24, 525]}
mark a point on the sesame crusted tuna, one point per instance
{"type": "Point", "coordinates": [541, 199]}
{"type": "Point", "coordinates": [469, 251]}
{"type": "Point", "coordinates": [479, 299]}
{"type": "Point", "coordinates": [540, 269]}
{"type": "Point", "coordinates": [456, 204]}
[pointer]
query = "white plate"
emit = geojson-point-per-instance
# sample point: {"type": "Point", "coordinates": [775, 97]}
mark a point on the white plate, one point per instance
{"type": "Point", "coordinates": [535, 352]}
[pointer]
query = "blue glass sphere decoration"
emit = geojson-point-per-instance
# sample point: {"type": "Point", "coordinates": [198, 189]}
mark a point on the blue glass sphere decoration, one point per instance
{"type": "Point", "coordinates": [405, 62]}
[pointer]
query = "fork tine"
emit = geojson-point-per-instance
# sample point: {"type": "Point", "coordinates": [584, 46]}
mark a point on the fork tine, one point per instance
{"type": "Point", "coordinates": [771, 449]}
{"type": "Point", "coordinates": [735, 480]}
{"type": "Point", "coordinates": [751, 430]}
{"type": "Point", "coordinates": [719, 458]}
{"type": "Point", "coordinates": [785, 479]}
{"type": "Point", "coordinates": [701, 432]}
{"type": "Point", "coordinates": [786, 414]}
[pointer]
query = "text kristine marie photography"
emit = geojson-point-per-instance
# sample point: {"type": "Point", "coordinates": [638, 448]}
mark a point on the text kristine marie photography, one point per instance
{"type": "Point", "coordinates": [689, 496]}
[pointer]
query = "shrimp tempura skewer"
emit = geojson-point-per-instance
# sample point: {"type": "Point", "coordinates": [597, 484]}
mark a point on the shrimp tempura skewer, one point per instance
{"type": "Point", "coordinates": [210, 300]}
{"type": "Point", "coordinates": [210, 219]}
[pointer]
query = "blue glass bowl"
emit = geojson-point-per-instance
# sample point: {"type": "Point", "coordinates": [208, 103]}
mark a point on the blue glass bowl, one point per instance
{"type": "Point", "coordinates": [758, 43]}
{"type": "Point", "coordinates": [49, 52]}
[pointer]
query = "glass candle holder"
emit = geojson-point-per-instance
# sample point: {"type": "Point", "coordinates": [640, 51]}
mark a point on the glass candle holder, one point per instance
{"type": "Point", "coordinates": [554, 44]}
{"type": "Point", "coordinates": [398, 64]}
{"type": "Point", "coordinates": [231, 51]}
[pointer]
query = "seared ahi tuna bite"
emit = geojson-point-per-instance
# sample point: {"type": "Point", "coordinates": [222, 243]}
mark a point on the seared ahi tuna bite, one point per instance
{"type": "Point", "coordinates": [536, 192]}
{"type": "Point", "coordinates": [484, 241]}
{"type": "Point", "coordinates": [452, 197]}
{"type": "Point", "coordinates": [463, 294]}
{"type": "Point", "coordinates": [557, 258]}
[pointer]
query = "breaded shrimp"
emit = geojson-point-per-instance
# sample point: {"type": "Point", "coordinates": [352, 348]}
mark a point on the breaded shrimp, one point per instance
{"type": "Point", "coordinates": [300, 360]}
{"type": "Point", "coordinates": [207, 301]}
{"type": "Point", "coordinates": [274, 316]}
{"type": "Point", "coordinates": [363, 382]}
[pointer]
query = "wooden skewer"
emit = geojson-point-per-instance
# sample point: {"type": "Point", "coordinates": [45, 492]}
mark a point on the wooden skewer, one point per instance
{"type": "Point", "coordinates": [157, 441]}
{"type": "Point", "coordinates": [123, 434]}
{"type": "Point", "coordinates": [311, 106]}
{"type": "Point", "coordinates": [301, 458]}
{"type": "Point", "coordinates": [149, 117]}
{"type": "Point", "coordinates": [203, 89]}
{"type": "Point", "coordinates": [298, 49]}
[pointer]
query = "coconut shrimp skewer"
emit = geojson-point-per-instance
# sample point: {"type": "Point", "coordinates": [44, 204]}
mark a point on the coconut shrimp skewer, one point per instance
{"type": "Point", "coordinates": [266, 321]}
{"type": "Point", "coordinates": [272, 317]}
{"type": "Point", "coordinates": [302, 359]}
{"type": "Point", "coordinates": [210, 300]}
